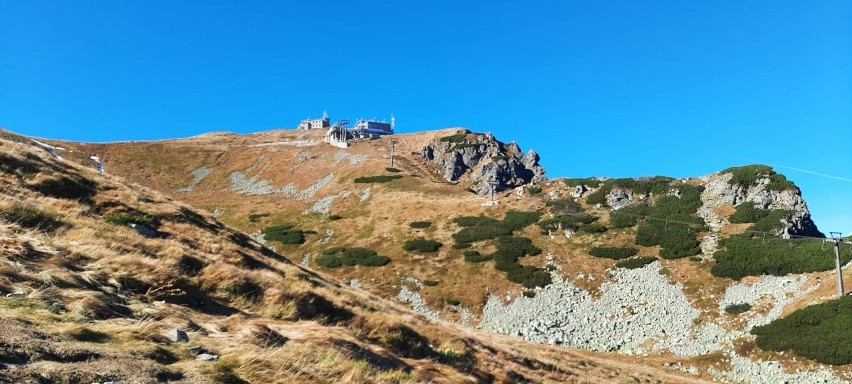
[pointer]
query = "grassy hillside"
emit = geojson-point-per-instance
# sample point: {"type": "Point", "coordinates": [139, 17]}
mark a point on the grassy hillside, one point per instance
{"type": "Point", "coordinates": [87, 297]}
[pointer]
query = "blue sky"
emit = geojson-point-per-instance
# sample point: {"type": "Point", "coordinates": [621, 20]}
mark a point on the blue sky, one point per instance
{"type": "Point", "coordinates": [605, 88]}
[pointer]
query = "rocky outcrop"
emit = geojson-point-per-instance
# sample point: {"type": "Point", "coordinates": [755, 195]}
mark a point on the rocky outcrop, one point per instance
{"type": "Point", "coordinates": [478, 158]}
{"type": "Point", "coordinates": [719, 191]}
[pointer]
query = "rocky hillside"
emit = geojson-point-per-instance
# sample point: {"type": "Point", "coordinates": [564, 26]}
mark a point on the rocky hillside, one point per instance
{"type": "Point", "coordinates": [104, 280]}
{"type": "Point", "coordinates": [480, 159]}
{"type": "Point", "coordinates": [669, 272]}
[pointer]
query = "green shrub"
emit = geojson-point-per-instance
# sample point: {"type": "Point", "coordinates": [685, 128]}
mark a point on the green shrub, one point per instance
{"type": "Point", "coordinates": [773, 221]}
{"type": "Point", "coordinates": [675, 238]}
{"type": "Point", "coordinates": [517, 220]}
{"type": "Point", "coordinates": [457, 138]}
{"type": "Point", "coordinates": [534, 190]}
{"type": "Point", "coordinates": [452, 301]}
{"type": "Point", "coordinates": [394, 170]}
{"type": "Point", "coordinates": [476, 257]}
{"type": "Point", "coordinates": [461, 245]}
{"type": "Point", "coordinates": [649, 185]}
{"type": "Point", "coordinates": [638, 262]}
{"type": "Point", "coordinates": [420, 224]}
{"type": "Point", "coordinates": [430, 283]}
{"type": "Point", "coordinates": [29, 216]}
{"type": "Point", "coordinates": [736, 309]}
{"type": "Point", "coordinates": [571, 222]}
{"type": "Point", "coordinates": [339, 256]}
{"type": "Point", "coordinates": [529, 294]}
{"type": "Point", "coordinates": [479, 233]}
{"type": "Point", "coordinates": [747, 213]}
{"type": "Point", "coordinates": [124, 218]}
{"type": "Point", "coordinates": [472, 221]}
{"type": "Point", "coordinates": [738, 257]}
{"type": "Point", "coordinates": [334, 217]}
{"type": "Point", "coordinates": [822, 332]}
{"type": "Point", "coordinates": [421, 245]}
{"type": "Point", "coordinates": [377, 179]}
{"type": "Point", "coordinates": [613, 253]}
{"type": "Point", "coordinates": [749, 175]}
{"type": "Point", "coordinates": [627, 216]}
{"type": "Point", "coordinates": [591, 182]}
{"type": "Point", "coordinates": [593, 228]}
{"type": "Point", "coordinates": [284, 234]}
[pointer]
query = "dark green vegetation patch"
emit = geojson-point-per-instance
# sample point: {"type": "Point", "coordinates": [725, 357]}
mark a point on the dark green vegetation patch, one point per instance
{"type": "Point", "coordinates": [377, 179]}
{"type": "Point", "coordinates": [566, 222]}
{"type": "Point", "coordinates": [613, 252]}
{"type": "Point", "coordinates": [479, 228]}
{"type": "Point", "coordinates": [285, 234]}
{"type": "Point", "coordinates": [420, 224]}
{"type": "Point", "coordinates": [125, 218]}
{"type": "Point", "coordinates": [394, 170]}
{"type": "Point", "coordinates": [750, 174]}
{"type": "Point", "coordinates": [534, 190]}
{"type": "Point", "coordinates": [476, 257]}
{"type": "Point", "coordinates": [741, 256]}
{"type": "Point", "coordinates": [765, 220]}
{"type": "Point", "coordinates": [638, 262]}
{"type": "Point", "coordinates": [736, 309]}
{"type": "Point", "coordinates": [591, 182]}
{"type": "Point", "coordinates": [647, 185]}
{"type": "Point", "coordinates": [822, 332]}
{"type": "Point", "coordinates": [674, 225]}
{"type": "Point", "coordinates": [421, 245]}
{"type": "Point", "coordinates": [628, 216]}
{"type": "Point", "coordinates": [339, 256]}
{"type": "Point", "coordinates": [457, 138]}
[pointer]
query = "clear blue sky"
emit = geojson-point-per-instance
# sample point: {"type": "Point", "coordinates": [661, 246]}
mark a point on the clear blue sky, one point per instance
{"type": "Point", "coordinates": [598, 88]}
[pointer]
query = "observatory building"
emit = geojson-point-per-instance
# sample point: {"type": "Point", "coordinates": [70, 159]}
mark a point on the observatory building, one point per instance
{"type": "Point", "coordinates": [369, 129]}
{"type": "Point", "coordinates": [323, 122]}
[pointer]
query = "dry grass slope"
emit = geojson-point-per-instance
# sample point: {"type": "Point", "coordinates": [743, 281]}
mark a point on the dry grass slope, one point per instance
{"type": "Point", "coordinates": [92, 300]}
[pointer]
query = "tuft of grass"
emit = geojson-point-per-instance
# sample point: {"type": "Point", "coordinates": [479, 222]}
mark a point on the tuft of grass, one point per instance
{"type": "Point", "coordinates": [420, 224]}
{"type": "Point", "coordinates": [88, 335]}
{"type": "Point", "coordinates": [430, 283]}
{"type": "Point", "coordinates": [29, 216]}
{"type": "Point", "coordinates": [334, 217]}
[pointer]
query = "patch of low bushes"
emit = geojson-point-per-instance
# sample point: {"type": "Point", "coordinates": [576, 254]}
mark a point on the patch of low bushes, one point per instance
{"type": "Point", "coordinates": [394, 170]}
{"type": "Point", "coordinates": [339, 256]}
{"type": "Point", "coordinates": [285, 234]}
{"type": "Point", "coordinates": [457, 138]}
{"type": "Point", "coordinates": [822, 332]}
{"type": "Point", "coordinates": [461, 245]}
{"type": "Point", "coordinates": [420, 224]}
{"type": "Point", "coordinates": [591, 182]}
{"type": "Point", "coordinates": [125, 218]}
{"type": "Point", "coordinates": [676, 238]}
{"type": "Point", "coordinates": [645, 185]}
{"type": "Point", "coordinates": [377, 179]}
{"type": "Point", "coordinates": [430, 283]}
{"type": "Point", "coordinates": [476, 257]}
{"type": "Point", "coordinates": [742, 256]}
{"type": "Point", "coordinates": [563, 222]}
{"type": "Point", "coordinates": [628, 216]}
{"type": "Point", "coordinates": [634, 263]}
{"type": "Point", "coordinates": [773, 221]}
{"type": "Point", "coordinates": [421, 245]}
{"type": "Point", "coordinates": [534, 190]}
{"type": "Point", "coordinates": [747, 213]}
{"type": "Point", "coordinates": [564, 207]}
{"type": "Point", "coordinates": [613, 252]}
{"type": "Point", "coordinates": [750, 174]}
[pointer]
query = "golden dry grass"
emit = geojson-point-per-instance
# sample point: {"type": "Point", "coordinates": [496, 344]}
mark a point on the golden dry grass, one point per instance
{"type": "Point", "coordinates": [100, 297]}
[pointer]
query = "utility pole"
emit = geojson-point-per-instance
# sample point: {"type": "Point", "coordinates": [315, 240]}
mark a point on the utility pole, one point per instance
{"type": "Point", "coordinates": [392, 143]}
{"type": "Point", "coordinates": [493, 184]}
{"type": "Point", "coordinates": [835, 238]}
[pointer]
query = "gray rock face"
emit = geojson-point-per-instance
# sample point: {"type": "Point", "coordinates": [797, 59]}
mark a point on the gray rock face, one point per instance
{"type": "Point", "coordinates": [177, 336]}
{"type": "Point", "coordinates": [719, 191]}
{"type": "Point", "coordinates": [481, 158]}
